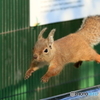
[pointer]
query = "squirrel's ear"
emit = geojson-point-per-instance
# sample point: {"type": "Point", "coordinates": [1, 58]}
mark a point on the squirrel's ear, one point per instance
{"type": "Point", "coordinates": [51, 35]}
{"type": "Point", "coordinates": [41, 33]}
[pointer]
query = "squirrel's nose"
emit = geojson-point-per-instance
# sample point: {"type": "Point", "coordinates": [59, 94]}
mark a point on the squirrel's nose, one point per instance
{"type": "Point", "coordinates": [35, 56]}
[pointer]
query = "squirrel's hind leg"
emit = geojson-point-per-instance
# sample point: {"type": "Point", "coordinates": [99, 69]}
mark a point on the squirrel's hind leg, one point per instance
{"type": "Point", "coordinates": [78, 64]}
{"type": "Point", "coordinates": [98, 59]}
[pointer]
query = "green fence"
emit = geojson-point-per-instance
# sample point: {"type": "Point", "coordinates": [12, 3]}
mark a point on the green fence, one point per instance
{"type": "Point", "coordinates": [16, 42]}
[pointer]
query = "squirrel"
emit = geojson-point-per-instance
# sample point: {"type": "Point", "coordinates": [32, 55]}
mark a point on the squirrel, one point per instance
{"type": "Point", "coordinates": [73, 48]}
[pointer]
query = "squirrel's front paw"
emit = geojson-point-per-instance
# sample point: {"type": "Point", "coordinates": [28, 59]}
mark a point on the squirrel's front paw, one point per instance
{"type": "Point", "coordinates": [28, 73]}
{"type": "Point", "coordinates": [45, 78]}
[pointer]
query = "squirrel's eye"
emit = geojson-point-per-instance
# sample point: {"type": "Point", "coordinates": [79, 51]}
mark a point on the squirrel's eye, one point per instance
{"type": "Point", "coordinates": [46, 50]}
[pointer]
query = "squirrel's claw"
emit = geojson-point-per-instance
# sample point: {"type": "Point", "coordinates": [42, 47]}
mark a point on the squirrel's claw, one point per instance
{"type": "Point", "coordinates": [28, 73]}
{"type": "Point", "coordinates": [45, 79]}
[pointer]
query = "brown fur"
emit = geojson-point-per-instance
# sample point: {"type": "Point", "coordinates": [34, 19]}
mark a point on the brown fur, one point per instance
{"type": "Point", "coordinates": [73, 48]}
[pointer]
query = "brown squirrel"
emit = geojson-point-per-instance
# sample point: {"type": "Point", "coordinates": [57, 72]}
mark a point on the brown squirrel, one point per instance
{"type": "Point", "coordinates": [73, 48]}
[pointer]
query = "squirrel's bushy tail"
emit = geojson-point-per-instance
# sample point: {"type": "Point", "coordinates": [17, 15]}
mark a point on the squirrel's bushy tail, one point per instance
{"type": "Point", "coordinates": [90, 29]}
